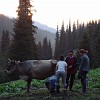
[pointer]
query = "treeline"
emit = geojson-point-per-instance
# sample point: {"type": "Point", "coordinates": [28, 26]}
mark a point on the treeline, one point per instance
{"type": "Point", "coordinates": [22, 45]}
{"type": "Point", "coordinates": [7, 24]}
{"type": "Point", "coordinates": [78, 36]}
{"type": "Point", "coordinates": [74, 37]}
{"type": "Point", "coordinates": [45, 49]}
{"type": "Point", "coordinates": [4, 48]}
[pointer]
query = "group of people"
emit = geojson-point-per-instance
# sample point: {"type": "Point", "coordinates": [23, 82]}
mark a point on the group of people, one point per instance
{"type": "Point", "coordinates": [66, 70]}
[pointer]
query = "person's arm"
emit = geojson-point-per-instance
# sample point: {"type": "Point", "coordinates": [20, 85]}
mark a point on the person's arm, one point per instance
{"type": "Point", "coordinates": [81, 64]}
{"type": "Point", "coordinates": [66, 68]}
{"type": "Point", "coordinates": [66, 60]}
{"type": "Point", "coordinates": [56, 68]}
{"type": "Point", "coordinates": [75, 62]}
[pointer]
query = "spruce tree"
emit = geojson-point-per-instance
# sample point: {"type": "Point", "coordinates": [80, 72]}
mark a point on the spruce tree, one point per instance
{"type": "Point", "coordinates": [74, 37]}
{"type": "Point", "coordinates": [23, 45]}
{"type": "Point", "coordinates": [69, 37]}
{"type": "Point", "coordinates": [62, 40]}
{"type": "Point", "coordinates": [40, 51]}
{"type": "Point", "coordinates": [57, 47]}
{"type": "Point", "coordinates": [96, 43]}
{"type": "Point", "coordinates": [5, 42]}
{"type": "Point", "coordinates": [49, 50]}
{"type": "Point", "coordinates": [45, 48]}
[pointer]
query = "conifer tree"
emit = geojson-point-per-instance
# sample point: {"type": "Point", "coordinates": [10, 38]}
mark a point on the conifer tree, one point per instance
{"type": "Point", "coordinates": [74, 37]}
{"type": "Point", "coordinates": [57, 47]}
{"type": "Point", "coordinates": [45, 48]}
{"type": "Point", "coordinates": [49, 50]}
{"type": "Point", "coordinates": [95, 39]}
{"type": "Point", "coordinates": [98, 43]}
{"type": "Point", "coordinates": [62, 40]}
{"type": "Point", "coordinates": [40, 52]}
{"type": "Point", "coordinates": [5, 42]}
{"type": "Point", "coordinates": [69, 37]}
{"type": "Point", "coordinates": [23, 44]}
{"type": "Point", "coordinates": [84, 42]}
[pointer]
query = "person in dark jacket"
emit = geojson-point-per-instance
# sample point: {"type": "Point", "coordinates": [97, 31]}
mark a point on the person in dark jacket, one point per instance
{"type": "Point", "coordinates": [71, 69]}
{"type": "Point", "coordinates": [84, 68]}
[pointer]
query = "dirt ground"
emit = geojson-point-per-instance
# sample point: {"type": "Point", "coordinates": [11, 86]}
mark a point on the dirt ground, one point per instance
{"type": "Point", "coordinates": [44, 94]}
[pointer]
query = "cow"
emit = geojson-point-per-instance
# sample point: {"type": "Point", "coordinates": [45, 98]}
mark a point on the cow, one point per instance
{"type": "Point", "coordinates": [31, 69]}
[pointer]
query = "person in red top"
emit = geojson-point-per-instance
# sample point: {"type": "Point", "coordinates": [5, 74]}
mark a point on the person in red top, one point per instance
{"type": "Point", "coordinates": [71, 69]}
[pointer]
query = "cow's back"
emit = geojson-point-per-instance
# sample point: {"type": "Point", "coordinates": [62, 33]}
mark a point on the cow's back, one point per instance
{"type": "Point", "coordinates": [42, 69]}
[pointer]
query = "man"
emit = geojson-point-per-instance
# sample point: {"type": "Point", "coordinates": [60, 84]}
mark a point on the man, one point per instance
{"type": "Point", "coordinates": [61, 73]}
{"type": "Point", "coordinates": [71, 69]}
{"type": "Point", "coordinates": [84, 68]}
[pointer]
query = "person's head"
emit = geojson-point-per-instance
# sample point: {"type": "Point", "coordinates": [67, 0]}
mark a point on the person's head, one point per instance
{"type": "Point", "coordinates": [82, 51]}
{"type": "Point", "coordinates": [70, 53]}
{"type": "Point", "coordinates": [62, 58]}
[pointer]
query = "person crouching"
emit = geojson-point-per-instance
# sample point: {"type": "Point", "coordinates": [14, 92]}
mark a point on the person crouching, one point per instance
{"type": "Point", "coordinates": [50, 83]}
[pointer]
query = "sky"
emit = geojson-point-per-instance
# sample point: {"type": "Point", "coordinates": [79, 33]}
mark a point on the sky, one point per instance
{"type": "Point", "coordinates": [53, 12]}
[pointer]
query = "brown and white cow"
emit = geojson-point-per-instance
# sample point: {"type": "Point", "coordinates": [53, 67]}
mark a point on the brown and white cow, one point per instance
{"type": "Point", "coordinates": [32, 69]}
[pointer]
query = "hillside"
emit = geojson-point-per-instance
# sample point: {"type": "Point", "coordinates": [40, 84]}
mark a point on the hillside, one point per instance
{"type": "Point", "coordinates": [6, 23]}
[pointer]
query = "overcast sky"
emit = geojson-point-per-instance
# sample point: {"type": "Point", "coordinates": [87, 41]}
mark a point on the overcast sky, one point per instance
{"type": "Point", "coordinates": [51, 12]}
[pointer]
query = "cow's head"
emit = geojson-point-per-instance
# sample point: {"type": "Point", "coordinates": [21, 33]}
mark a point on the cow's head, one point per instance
{"type": "Point", "coordinates": [11, 67]}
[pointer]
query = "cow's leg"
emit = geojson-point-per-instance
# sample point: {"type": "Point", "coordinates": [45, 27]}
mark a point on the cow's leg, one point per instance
{"type": "Point", "coordinates": [28, 84]}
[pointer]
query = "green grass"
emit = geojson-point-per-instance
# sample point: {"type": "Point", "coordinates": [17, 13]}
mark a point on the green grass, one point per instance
{"type": "Point", "coordinates": [16, 89]}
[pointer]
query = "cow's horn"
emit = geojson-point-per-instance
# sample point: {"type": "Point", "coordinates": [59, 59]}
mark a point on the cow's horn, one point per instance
{"type": "Point", "coordinates": [9, 60]}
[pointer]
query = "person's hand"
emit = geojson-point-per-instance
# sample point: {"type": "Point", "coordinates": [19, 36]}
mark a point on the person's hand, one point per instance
{"type": "Point", "coordinates": [70, 66]}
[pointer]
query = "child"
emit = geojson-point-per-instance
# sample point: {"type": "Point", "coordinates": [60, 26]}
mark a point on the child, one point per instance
{"type": "Point", "coordinates": [50, 83]}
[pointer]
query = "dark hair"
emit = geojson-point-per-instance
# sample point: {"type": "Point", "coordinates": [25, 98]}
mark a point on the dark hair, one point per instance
{"type": "Point", "coordinates": [61, 58]}
{"type": "Point", "coordinates": [82, 51]}
{"type": "Point", "coordinates": [71, 51]}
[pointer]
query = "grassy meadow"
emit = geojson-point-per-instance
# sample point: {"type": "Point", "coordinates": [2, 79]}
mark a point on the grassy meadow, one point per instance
{"type": "Point", "coordinates": [16, 90]}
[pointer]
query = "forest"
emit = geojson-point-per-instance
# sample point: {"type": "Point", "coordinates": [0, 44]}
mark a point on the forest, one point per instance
{"type": "Point", "coordinates": [21, 45]}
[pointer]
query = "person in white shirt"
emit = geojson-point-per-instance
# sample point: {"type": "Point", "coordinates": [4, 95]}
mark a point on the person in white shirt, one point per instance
{"type": "Point", "coordinates": [61, 73]}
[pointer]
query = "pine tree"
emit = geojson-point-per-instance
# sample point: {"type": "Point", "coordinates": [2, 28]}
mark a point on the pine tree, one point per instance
{"type": "Point", "coordinates": [5, 42]}
{"type": "Point", "coordinates": [49, 50]}
{"type": "Point", "coordinates": [23, 44]}
{"type": "Point", "coordinates": [69, 37]}
{"type": "Point", "coordinates": [98, 43]}
{"type": "Point", "coordinates": [74, 37]}
{"type": "Point", "coordinates": [57, 47]}
{"type": "Point", "coordinates": [45, 48]}
{"type": "Point", "coordinates": [40, 52]}
{"type": "Point", "coordinates": [62, 40]}
{"type": "Point", "coordinates": [84, 42]}
{"type": "Point", "coordinates": [95, 43]}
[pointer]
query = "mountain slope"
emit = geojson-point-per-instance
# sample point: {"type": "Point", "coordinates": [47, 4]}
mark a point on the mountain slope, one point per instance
{"type": "Point", "coordinates": [7, 24]}
{"type": "Point", "coordinates": [45, 27]}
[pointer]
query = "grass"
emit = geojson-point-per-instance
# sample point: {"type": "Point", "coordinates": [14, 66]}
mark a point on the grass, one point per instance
{"type": "Point", "coordinates": [15, 90]}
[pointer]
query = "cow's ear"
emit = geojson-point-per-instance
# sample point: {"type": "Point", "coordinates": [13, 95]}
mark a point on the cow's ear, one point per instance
{"type": "Point", "coordinates": [9, 60]}
{"type": "Point", "coordinates": [17, 62]}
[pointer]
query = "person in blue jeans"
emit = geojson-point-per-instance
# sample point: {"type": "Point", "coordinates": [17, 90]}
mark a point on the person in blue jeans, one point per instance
{"type": "Point", "coordinates": [84, 68]}
{"type": "Point", "coordinates": [50, 83]}
{"type": "Point", "coordinates": [61, 72]}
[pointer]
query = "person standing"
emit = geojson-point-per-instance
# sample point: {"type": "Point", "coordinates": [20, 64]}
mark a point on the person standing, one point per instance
{"type": "Point", "coordinates": [84, 68]}
{"type": "Point", "coordinates": [61, 70]}
{"type": "Point", "coordinates": [71, 69]}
